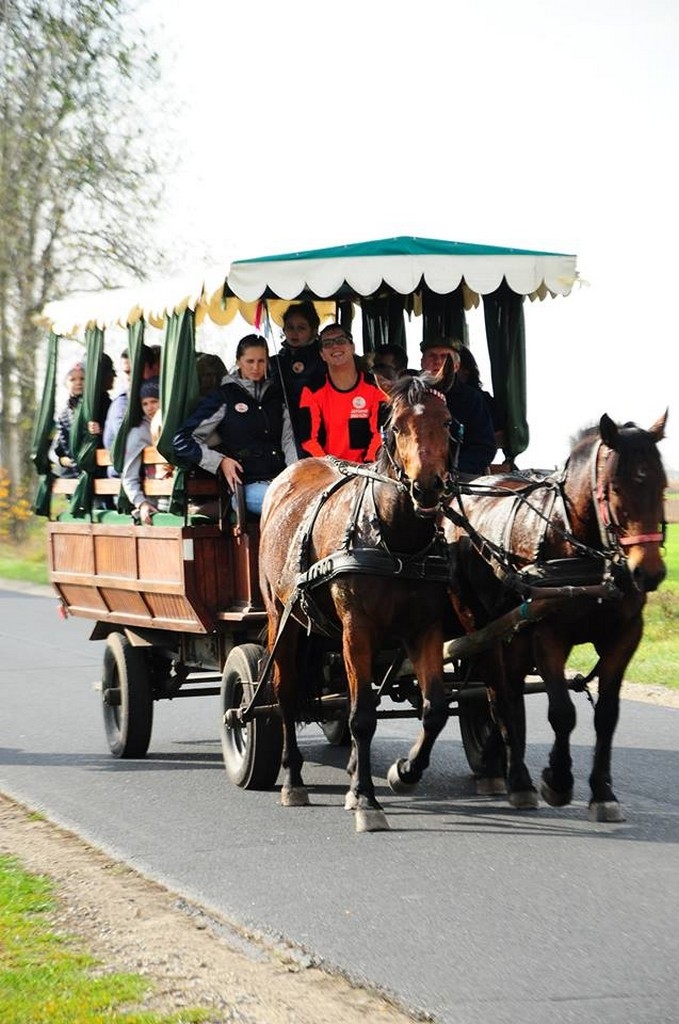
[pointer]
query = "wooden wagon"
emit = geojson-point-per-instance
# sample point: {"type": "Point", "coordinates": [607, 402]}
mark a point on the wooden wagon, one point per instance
{"type": "Point", "coordinates": [177, 603]}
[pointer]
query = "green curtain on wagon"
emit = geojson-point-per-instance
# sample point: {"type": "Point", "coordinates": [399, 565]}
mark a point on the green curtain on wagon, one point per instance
{"type": "Point", "coordinates": [506, 338]}
{"type": "Point", "coordinates": [43, 431]}
{"type": "Point", "coordinates": [83, 444]}
{"type": "Point", "coordinates": [443, 316]}
{"type": "Point", "coordinates": [383, 322]}
{"type": "Point", "coordinates": [132, 417]}
{"type": "Point", "coordinates": [178, 394]}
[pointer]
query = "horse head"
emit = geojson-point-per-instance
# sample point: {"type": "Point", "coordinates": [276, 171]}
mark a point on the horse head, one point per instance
{"type": "Point", "coordinates": [630, 489]}
{"type": "Point", "coordinates": [417, 442]}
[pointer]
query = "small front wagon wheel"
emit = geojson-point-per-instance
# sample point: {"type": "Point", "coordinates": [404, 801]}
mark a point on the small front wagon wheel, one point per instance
{"type": "Point", "coordinates": [481, 739]}
{"type": "Point", "coordinates": [127, 699]}
{"type": "Point", "coordinates": [252, 752]}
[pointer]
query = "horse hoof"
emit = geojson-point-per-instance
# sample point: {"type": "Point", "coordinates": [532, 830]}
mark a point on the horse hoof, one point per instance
{"type": "Point", "coordinates": [350, 801]}
{"type": "Point", "coordinates": [609, 810]}
{"type": "Point", "coordinates": [370, 819]}
{"type": "Point", "coordinates": [553, 797]}
{"type": "Point", "coordinates": [490, 786]}
{"type": "Point", "coordinates": [294, 796]}
{"type": "Point", "coordinates": [524, 800]}
{"type": "Point", "coordinates": [397, 784]}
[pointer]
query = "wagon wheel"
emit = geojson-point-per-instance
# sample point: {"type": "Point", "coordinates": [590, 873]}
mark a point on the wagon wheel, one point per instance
{"type": "Point", "coordinates": [337, 732]}
{"type": "Point", "coordinates": [252, 752]}
{"type": "Point", "coordinates": [127, 698]}
{"type": "Point", "coordinates": [481, 739]}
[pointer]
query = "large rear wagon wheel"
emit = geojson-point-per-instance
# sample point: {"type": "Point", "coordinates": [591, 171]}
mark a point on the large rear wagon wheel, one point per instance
{"type": "Point", "coordinates": [252, 752]}
{"type": "Point", "coordinates": [127, 698]}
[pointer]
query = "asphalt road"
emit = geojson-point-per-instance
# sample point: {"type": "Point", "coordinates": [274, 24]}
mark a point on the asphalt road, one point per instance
{"type": "Point", "coordinates": [466, 909]}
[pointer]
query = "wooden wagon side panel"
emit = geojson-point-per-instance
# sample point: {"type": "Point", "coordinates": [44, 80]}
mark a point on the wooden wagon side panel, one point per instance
{"type": "Point", "coordinates": [170, 577]}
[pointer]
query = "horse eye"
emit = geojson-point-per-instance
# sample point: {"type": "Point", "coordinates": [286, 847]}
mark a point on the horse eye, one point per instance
{"type": "Point", "coordinates": [395, 429]}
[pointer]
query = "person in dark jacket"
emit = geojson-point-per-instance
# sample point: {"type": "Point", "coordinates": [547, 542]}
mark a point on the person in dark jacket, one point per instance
{"type": "Point", "coordinates": [242, 429]}
{"type": "Point", "coordinates": [467, 405]}
{"type": "Point", "coordinates": [469, 374]}
{"type": "Point", "coordinates": [299, 365]}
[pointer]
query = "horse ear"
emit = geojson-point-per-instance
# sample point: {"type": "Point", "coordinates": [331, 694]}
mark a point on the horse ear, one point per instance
{"type": "Point", "coordinates": [384, 381]}
{"type": "Point", "coordinates": [608, 430]}
{"type": "Point", "coordinates": [657, 431]}
{"type": "Point", "coordinates": [385, 384]}
{"type": "Point", "coordinates": [445, 378]}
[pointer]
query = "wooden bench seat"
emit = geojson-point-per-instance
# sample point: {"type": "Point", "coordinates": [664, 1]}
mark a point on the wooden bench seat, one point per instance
{"type": "Point", "coordinates": [198, 486]}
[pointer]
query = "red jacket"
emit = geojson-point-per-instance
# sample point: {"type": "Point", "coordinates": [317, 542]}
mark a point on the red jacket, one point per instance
{"type": "Point", "coordinates": [344, 423]}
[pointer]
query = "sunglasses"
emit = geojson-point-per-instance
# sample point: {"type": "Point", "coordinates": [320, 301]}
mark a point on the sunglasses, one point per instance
{"type": "Point", "coordinates": [331, 342]}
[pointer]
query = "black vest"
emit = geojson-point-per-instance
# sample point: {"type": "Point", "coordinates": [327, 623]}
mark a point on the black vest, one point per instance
{"type": "Point", "coordinates": [251, 431]}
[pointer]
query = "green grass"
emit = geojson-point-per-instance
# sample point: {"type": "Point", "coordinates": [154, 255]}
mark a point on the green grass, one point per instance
{"type": "Point", "coordinates": [48, 978]}
{"type": "Point", "coordinates": [657, 657]}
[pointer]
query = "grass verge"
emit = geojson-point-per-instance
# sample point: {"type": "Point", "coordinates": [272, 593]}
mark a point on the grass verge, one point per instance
{"type": "Point", "coordinates": [48, 978]}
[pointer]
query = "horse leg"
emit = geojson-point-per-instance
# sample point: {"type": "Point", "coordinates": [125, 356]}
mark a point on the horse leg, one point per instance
{"type": "Point", "coordinates": [511, 715]}
{"type": "Point", "coordinates": [604, 805]}
{"type": "Point", "coordinates": [293, 790]}
{"type": "Point", "coordinates": [556, 787]}
{"type": "Point", "coordinates": [427, 660]}
{"type": "Point", "coordinates": [361, 797]}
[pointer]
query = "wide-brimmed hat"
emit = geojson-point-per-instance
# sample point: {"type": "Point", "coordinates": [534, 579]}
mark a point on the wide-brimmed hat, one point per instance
{"type": "Point", "coordinates": [439, 343]}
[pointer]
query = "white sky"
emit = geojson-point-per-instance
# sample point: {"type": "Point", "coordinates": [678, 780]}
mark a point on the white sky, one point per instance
{"type": "Point", "coordinates": [531, 123]}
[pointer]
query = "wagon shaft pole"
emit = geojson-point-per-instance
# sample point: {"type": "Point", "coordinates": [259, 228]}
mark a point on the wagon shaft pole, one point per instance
{"type": "Point", "coordinates": [515, 620]}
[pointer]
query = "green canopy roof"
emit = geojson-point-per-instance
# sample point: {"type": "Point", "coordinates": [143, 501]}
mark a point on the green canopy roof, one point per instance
{"type": "Point", "coordinates": [402, 265]}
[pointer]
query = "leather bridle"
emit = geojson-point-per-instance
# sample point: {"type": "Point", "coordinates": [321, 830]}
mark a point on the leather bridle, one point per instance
{"type": "Point", "coordinates": [612, 533]}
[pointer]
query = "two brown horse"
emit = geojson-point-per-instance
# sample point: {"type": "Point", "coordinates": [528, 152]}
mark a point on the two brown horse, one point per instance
{"type": "Point", "coordinates": [349, 551]}
{"type": "Point", "coordinates": [600, 520]}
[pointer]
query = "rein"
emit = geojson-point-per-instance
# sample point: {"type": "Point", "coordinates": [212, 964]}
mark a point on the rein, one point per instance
{"type": "Point", "coordinates": [497, 556]}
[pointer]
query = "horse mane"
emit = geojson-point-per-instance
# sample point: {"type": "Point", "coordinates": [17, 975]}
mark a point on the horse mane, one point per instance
{"type": "Point", "coordinates": [584, 436]}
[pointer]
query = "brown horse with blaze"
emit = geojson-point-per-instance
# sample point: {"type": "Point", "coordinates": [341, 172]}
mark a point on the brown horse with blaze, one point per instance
{"type": "Point", "coordinates": [353, 553]}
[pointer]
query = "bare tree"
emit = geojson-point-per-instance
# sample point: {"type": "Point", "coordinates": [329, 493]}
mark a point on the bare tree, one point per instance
{"type": "Point", "coordinates": [78, 177]}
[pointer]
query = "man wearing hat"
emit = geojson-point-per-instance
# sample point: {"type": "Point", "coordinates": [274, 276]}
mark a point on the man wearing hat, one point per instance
{"type": "Point", "coordinates": [467, 406]}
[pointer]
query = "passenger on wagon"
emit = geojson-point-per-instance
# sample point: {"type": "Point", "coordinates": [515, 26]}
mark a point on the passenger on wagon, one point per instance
{"type": "Point", "coordinates": [251, 420]}
{"type": "Point", "coordinates": [211, 372]}
{"type": "Point", "coordinates": [390, 361]}
{"type": "Point", "coordinates": [118, 407]}
{"type": "Point", "coordinates": [299, 364]}
{"type": "Point", "coordinates": [467, 406]}
{"type": "Point", "coordinates": [137, 439]}
{"type": "Point", "coordinates": [60, 453]}
{"type": "Point", "coordinates": [345, 409]}
{"type": "Point", "coordinates": [469, 374]}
